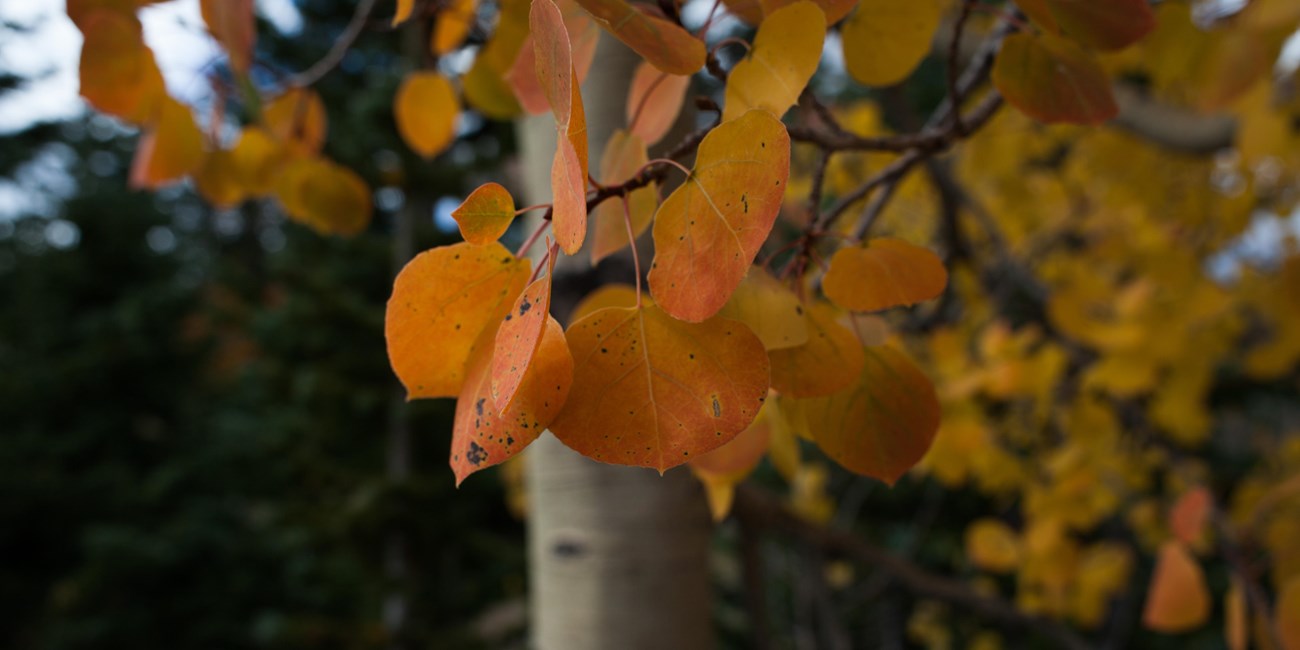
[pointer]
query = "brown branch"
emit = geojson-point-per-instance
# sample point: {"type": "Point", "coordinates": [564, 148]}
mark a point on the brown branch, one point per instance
{"type": "Point", "coordinates": [338, 50]}
{"type": "Point", "coordinates": [762, 510]}
{"type": "Point", "coordinates": [954, 50]}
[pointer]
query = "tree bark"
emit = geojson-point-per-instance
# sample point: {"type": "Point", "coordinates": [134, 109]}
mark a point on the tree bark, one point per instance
{"type": "Point", "coordinates": [618, 556]}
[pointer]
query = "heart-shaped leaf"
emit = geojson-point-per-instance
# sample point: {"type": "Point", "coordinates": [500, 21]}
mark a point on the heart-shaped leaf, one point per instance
{"type": "Point", "coordinates": [442, 301]}
{"type": "Point", "coordinates": [653, 391]}
{"type": "Point", "coordinates": [486, 214]}
{"type": "Point", "coordinates": [884, 273]}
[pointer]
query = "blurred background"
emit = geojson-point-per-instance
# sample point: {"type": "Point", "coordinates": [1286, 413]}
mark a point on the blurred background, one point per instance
{"type": "Point", "coordinates": [202, 444]}
{"type": "Point", "coordinates": [196, 407]}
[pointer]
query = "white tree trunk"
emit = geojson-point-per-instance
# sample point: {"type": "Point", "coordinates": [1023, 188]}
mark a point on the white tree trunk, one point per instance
{"type": "Point", "coordinates": [618, 556]}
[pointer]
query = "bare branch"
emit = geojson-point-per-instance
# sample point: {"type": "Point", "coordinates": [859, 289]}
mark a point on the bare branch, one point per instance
{"type": "Point", "coordinates": [760, 509]}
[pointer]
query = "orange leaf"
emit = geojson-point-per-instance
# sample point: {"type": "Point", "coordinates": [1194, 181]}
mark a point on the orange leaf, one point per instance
{"type": "Point", "coordinates": [665, 45]}
{"type": "Point", "coordinates": [486, 214]}
{"type": "Point", "coordinates": [624, 156]}
{"type": "Point", "coordinates": [569, 193]}
{"type": "Point", "coordinates": [231, 23]}
{"type": "Point", "coordinates": [769, 308]}
{"type": "Point", "coordinates": [881, 425]}
{"type": "Point", "coordinates": [518, 337]}
{"type": "Point", "coordinates": [784, 57]}
{"type": "Point", "coordinates": [609, 295]}
{"type": "Point", "coordinates": [721, 469]}
{"type": "Point", "coordinates": [297, 119]}
{"type": "Point", "coordinates": [442, 300]}
{"type": "Point", "coordinates": [736, 459]}
{"type": "Point", "coordinates": [81, 10]}
{"type": "Point", "coordinates": [170, 150]}
{"type": "Point", "coordinates": [1189, 515]}
{"type": "Point", "coordinates": [708, 231]}
{"type": "Point", "coordinates": [484, 435]}
{"type": "Point", "coordinates": [653, 102]}
{"type": "Point", "coordinates": [553, 58]}
{"type": "Point", "coordinates": [118, 73]}
{"type": "Point", "coordinates": [325, 196]}
{"type": "Point", "coordinates": [1178, 600]}
{"type": "Point", "coordinates": [828, 362]}
{"type": "Point", "coordinates": [452, 25]}
{"type": "Point", "coordinates": [217, 180]}
{"type": "Point", "coordinates": [653, 391]}
{"type": "Point", "coordinates": [1052, 80]}
{"type": "Point", "coordinates": [583, 36]}
{"type": "Point", "coordinates": [425, 110]}
{"type": "Point", "coordinates": [404, 9]}
{"type": "Point", "coordinates": [1100, 24]}
{"type": "Point", "coordinates": [884, 273]}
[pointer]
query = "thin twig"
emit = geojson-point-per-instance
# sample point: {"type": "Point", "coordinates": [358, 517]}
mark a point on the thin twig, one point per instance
{"type": "Point", "coordinates": [338, 50]}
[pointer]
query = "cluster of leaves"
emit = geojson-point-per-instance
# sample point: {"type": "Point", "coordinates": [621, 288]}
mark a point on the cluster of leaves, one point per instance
{"type": "Point", "coordinates": [277, 155]}
{"type": "Point", "coordinates": [1077, 260]}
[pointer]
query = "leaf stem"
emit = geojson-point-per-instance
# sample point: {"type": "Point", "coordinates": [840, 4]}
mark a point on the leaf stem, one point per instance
{"type": "Point", "coordinates": [530, 208]}
{"type": "Point", "coordinates": [532, 239]}
{"type": "Point", "coordinates": [631, 241]}
{"type": "Point", "coordinates": [665, 161]}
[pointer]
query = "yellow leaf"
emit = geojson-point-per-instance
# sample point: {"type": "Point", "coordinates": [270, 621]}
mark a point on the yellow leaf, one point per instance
{"type": "Point", "coordinates": [653, 391]}
{"type": "Point", "coordinates": [452, 24]}
{"type": "Point", "coordinates": [170, 150]}
{"type": "Point", "coordinates": [328, 197]}
{"type": "Point", "coordinates": [486, 214]}
{"type": "Point", "coordinates": [485, 85]}
{"type": "Point", "coordinates": [258, 159]}
{"type": "Point", "coordinates": [1178, 600]}
{"type": "Point", "coordinates": [884, 40]}
{"type": "Point", "coordinates": [769, 308]}
{"type": "Point", "coordinates": [442, 300]}
{"type": "Point", "coordinates": [609, 295]}
{"type": "Point", "coordinates": [885, 273]}
{"type": "Point", "coordinates": [425, 109]}
{"type": "Point", "coordinates": [297, 119]}
{"type": "Point", "coordinates": [993, 546]}
{"type": "Point", "coordinates": [217, 180]}
{"type": "Point", "coordinates": [784, 57]}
